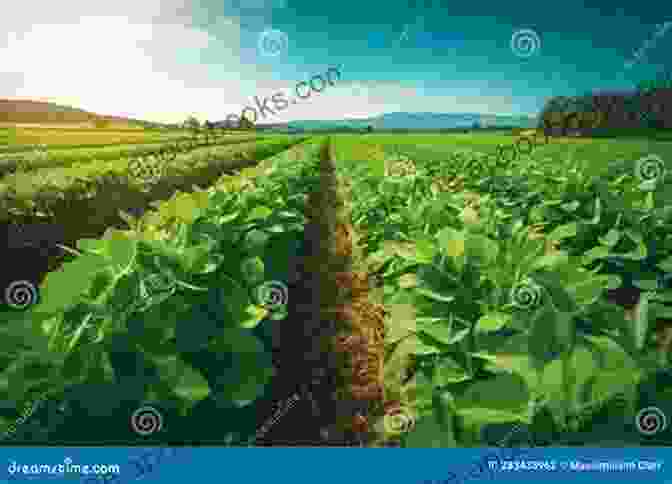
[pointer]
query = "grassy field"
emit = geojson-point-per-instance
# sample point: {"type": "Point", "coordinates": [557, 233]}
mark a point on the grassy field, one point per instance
{"type": "Point", "coordinates": [81, 136]}
{"type": "Point", "coordinates": [487, 280]}
{"type": "Point", "coordinates": [440, 146]}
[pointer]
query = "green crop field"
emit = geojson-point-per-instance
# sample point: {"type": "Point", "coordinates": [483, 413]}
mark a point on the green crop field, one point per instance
{"type": "Point", "coordinates": [469, 294]}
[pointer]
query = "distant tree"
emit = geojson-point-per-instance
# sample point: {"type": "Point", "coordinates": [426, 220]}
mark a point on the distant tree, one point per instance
{"type": "Point", "coordinates": [369, 129]}
{"type": "Point", "coordinates": [246, 123]}
{"type": "Point", "coordinates": [192, 123]}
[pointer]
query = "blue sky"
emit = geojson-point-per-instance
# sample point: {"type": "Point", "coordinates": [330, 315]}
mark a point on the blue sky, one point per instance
{"type": "Point", "coordinates": [163, 60]}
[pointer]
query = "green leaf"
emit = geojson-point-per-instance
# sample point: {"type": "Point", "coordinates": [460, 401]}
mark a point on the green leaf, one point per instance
{"type": "Point", "coordinates": [612, 238]}
{"type": "Point", "coordinates": [185, 381]}
{"type": "Point", "coordinates": [452, 241]}
{"type": "Point", "coordinates": [66, 287]}
{"type": "Point", "coordinates": [259, 212]}
{"type": "Point", "coordinates": [249, 370]}
{"type": "Point", "coordinates": [512, 356]}
{"type": "Point", "coordinates": [194, 330]}
{"type": "Point", "coordinates": [435, 296]}
{"type": "Point", "coordinates": [402, 322]}
{"type": "Point", "coordinates": [505, 393]}
{"type": "Point", "coordinates": [252, 269]}
{"type": "Point", "coordinates": [236, 301]}
{"type": "Point", "coordinates": [420, 390]}
{"type": "Point", "coordinates": [482, 247]}
{"type": "Point", "coordinates": [441, 329]}
{"type": "Point", "coordinates": [582, 367]}
{"type": "Point", "coordinates": [665, 265]}
{"type": "Point", "coordinates": [492, 322]}
{"type": "Point", "coordinates": [120, 250]}
{"type": "Point", "coordinates": [435, 430]}
{"type": "Point", "coordinates": [571, 206]}
{"type": "Point", "coordinates": [551, 334]}
{"type": "Point", "coordinates": [564, 232]}
{"type": "Point", "coordinates": [256, 314]}
{"type": "Point", "coordinates": [199, 259]}
{"type": "Point", "coordinates": [550, 261]}
{"type": "Point", "coordinates": [447, 371]}
{"type": "Point", "coordinates": [425, 252]}
{"type": "Point", "coordinates": [595, 253]}
{"type": "Point", "coordinates": [376, 167]}
{"type": "Point", "coordinates": [256, 242]}
{"type": "Point", "coordinates": [420, 346]}
{"type": "Point", "coordinates": [646, 281]}
{"type": "Point", "coordinates": [589, 290]}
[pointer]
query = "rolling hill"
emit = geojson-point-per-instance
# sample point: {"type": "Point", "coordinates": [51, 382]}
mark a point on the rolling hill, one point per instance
{"type": "Point", "coordinates": [21, 112]}
{"type": "Point", "coordinates": [411, 121]}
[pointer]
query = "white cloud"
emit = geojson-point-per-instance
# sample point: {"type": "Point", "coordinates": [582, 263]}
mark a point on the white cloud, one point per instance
{"type": "Point", "coordinates": [121, 65]}
{"type": "Point", "coordinates": [140, 58]}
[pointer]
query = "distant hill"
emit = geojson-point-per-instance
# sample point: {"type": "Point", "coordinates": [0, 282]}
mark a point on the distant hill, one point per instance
{"type": "Point", "coordinates": [46, 113]}
{"type": "Point", "coordinates": [412, 121]}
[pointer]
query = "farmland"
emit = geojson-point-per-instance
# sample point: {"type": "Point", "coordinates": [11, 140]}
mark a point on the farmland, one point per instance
{"type": "Point", "coordinates": [415, 290]}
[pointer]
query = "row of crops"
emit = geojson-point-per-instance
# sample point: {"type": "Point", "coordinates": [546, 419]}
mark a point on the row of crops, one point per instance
{"type": "Point", "coordinates": [496, 274]}
{"type": "Point", "coordinates": [40, 156]}
{"type": "Point", "coordinates": [463, 299]}
{"type": "Point", "coordinates": [170, 314]}
{"type": "Point", "coordinates": [85, 198]}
